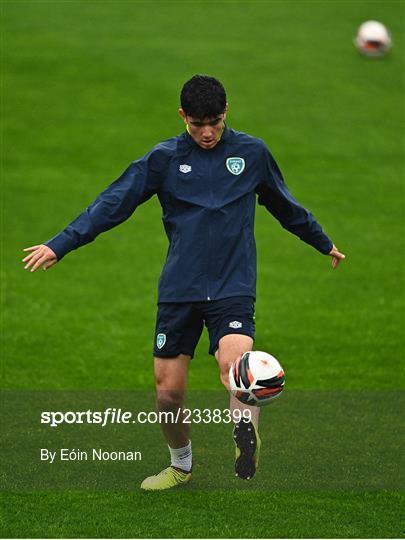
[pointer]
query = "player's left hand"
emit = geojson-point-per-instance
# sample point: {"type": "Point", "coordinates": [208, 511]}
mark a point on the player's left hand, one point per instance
{"type": "Point", "coordinates": [336, 256]}
{"type": "Point", "coordinates": [39, 256]}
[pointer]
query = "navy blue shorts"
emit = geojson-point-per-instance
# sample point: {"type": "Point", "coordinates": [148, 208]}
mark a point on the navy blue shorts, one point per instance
{"type": "Point", "coordinates": [179, 325]}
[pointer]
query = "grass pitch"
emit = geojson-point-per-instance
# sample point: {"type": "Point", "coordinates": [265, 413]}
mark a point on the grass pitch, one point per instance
{"type": "Point", "coordinates": [90, 86]}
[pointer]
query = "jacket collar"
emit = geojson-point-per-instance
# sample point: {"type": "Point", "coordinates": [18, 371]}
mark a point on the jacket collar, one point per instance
{"type": "Point", "coordinates": [186, 141]}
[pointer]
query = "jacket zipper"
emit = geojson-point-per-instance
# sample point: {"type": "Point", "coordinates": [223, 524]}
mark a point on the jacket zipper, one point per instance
{"type": "Point", "coordinates": [209, 228]}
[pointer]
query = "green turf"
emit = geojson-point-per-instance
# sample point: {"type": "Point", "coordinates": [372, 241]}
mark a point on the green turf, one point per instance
{"type": "Point", "coordinates": [286, 515]}
{"type": "Point", "coordinates": [88, 87]}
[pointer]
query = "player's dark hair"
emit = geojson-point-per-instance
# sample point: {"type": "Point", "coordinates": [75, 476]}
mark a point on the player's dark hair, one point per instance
{"type": "Point", "coordinates": [203, 97]}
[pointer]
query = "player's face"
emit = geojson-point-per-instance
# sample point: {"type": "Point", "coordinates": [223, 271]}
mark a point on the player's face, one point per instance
{"type": "Point", "coordinates": [206, 131]}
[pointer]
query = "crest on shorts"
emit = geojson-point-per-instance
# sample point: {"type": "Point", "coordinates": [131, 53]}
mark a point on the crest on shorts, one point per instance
{"type": "Point", "coordinates": [160, 340]}
{"type": "Point", "coordinates": [235, 165]}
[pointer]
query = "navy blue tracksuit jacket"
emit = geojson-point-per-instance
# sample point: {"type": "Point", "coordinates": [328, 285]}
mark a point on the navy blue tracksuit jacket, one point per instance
{"type": "Point", "coordinates": [208, 200]}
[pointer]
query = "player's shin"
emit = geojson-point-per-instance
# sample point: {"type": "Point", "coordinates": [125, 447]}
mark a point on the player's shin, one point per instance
{"type": "Point", "coordinates": [170, 408]}
{"type": "Point", "coordinates": [240, 410]}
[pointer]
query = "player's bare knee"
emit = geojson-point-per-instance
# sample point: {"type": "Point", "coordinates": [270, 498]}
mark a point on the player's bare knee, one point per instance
{"type": "Point", "coordinates": [224, 376]}
{"type": "Point", "coordinates": [169, 400]}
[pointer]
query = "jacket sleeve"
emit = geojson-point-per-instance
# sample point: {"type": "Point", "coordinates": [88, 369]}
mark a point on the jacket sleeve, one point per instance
{"type": "Point", "coordinates": [113, 206]}
{"type": "Point", "coordinates": [274, 195]}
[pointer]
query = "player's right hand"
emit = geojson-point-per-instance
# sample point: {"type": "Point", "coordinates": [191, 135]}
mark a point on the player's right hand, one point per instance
{"type": "Point", "coordinates": [336, 256]}
{"type": "Point", "coordinates": [39, 256]}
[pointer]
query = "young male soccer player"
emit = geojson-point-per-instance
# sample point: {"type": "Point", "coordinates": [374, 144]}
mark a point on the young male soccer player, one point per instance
{"type": "Point", "coordinates": [207, 180]}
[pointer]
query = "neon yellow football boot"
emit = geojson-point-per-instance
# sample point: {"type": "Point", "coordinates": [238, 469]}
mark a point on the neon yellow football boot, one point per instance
{"type": "Point", "coordinates": [166, 479]}
{"type": "Point", "coordinates": [247, 442]}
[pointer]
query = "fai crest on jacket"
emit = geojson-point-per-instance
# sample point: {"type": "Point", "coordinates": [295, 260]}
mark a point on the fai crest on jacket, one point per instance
{"type": "Point", "coordinates": [235, 165]}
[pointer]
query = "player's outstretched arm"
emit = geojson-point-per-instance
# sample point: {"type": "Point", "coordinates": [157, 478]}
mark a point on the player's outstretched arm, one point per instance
{"type": "Point", "coordinates": [336, 256]}
{"type": "Point", "coordinates": [39, 256]}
